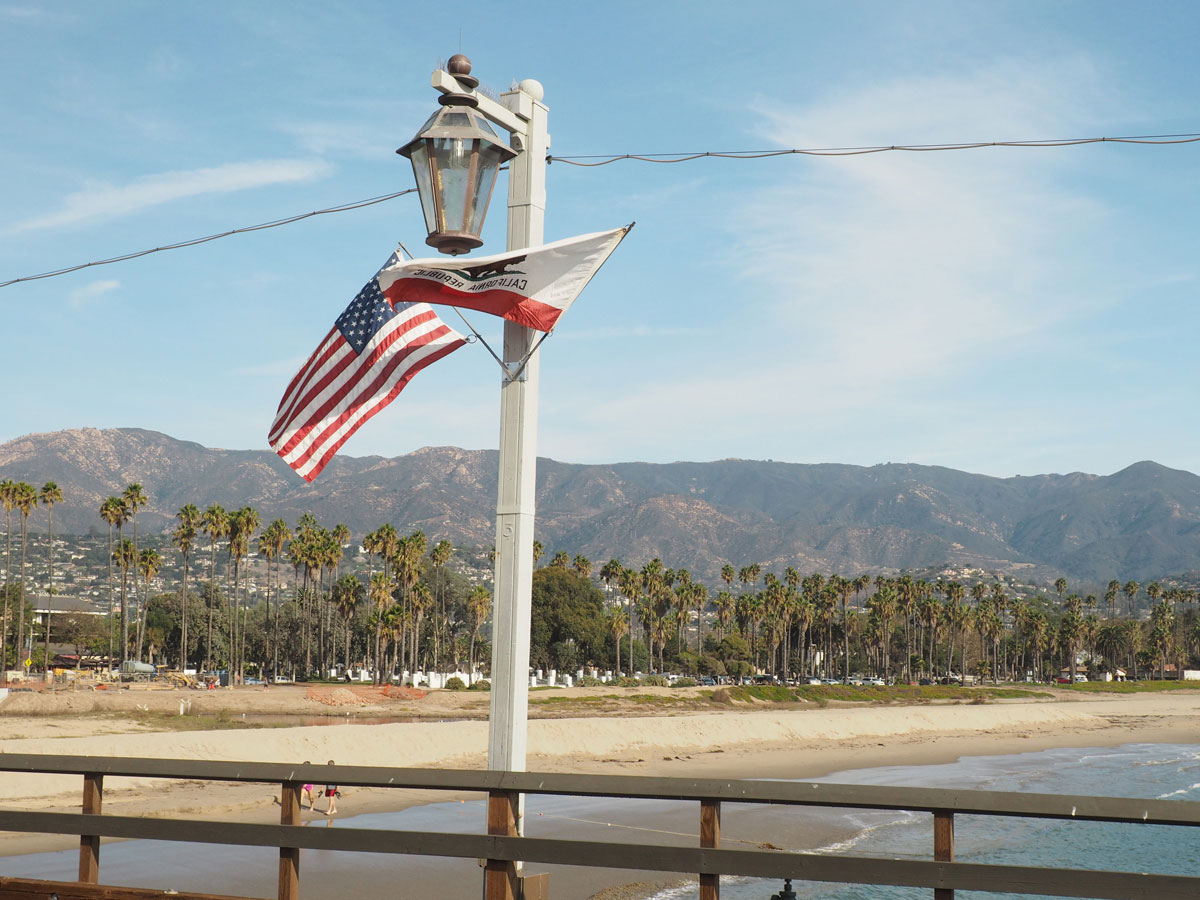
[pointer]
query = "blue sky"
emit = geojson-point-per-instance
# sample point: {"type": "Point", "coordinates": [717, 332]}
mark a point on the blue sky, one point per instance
{"type": "Point", "coordinates": [1005, 311]}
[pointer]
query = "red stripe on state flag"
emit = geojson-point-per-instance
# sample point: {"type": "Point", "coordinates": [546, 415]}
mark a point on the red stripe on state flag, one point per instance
{"type": "Point", "coordinates": [509, 305]}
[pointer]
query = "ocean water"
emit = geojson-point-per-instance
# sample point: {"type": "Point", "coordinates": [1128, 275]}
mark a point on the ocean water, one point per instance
{"type": "Point", "coordinates": [1147, 771]}
{"type": "Point", "coordinates": [1159, 771]}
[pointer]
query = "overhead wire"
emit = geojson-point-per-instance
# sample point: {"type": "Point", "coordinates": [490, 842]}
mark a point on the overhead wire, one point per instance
{"type": "Point", "coordinates": [344, 207]}
{"type": "Point", "coordinates": [594, 160]}
{"type": "Point", "coordinates": [608, 159]}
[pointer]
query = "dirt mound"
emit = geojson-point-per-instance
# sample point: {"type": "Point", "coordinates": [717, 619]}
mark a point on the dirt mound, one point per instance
{"type": "Point", "coordinates": [335, 697]}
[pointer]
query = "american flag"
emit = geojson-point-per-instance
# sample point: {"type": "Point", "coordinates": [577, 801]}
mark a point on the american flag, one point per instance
{"type": "Point", "coordinates": [370, 354]}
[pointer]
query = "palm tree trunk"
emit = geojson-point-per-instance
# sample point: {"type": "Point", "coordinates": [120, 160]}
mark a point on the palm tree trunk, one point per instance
{"type": "Point", "coordinates": [49, 587]}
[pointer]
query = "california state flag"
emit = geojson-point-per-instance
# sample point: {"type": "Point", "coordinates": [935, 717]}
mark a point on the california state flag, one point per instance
{"type": "Point", "coordinates": [531, 287]}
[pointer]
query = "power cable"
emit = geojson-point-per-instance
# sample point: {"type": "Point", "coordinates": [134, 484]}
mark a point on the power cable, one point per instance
{"type": "Point", "coordinates": [358, 204]}
{"type": "Point", "coordinates": [604, 160]}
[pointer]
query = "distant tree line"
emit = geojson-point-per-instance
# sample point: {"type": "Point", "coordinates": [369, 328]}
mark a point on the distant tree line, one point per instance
{"type": "Point", "coordinates": [410, 610]}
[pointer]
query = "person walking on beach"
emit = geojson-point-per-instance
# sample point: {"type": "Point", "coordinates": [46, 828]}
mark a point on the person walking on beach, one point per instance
{"type": "Point", "coordinates": [307, 791]}
{"type": "Point", "coordinates": [331, 791]}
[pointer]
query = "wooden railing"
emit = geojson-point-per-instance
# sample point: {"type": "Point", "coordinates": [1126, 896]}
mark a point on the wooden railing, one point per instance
{"type": "Point", "coordinates": [502, 848]}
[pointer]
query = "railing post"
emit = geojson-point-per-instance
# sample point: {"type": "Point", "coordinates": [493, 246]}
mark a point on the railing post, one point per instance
{"type": "Point", "coordinates": [943, 847]}
{"type": "Point", "coordinates": [710, 837]}
{"type": "Point", "coordinates": [289, 857]}
{"type": "Point", "coordinates": [500, 879]}
{"type": "Point", "coordinates": [89, 844]}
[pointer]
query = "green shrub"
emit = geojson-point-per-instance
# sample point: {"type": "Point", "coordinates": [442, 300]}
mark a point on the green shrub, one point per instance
{"type": "Point", "coordinates": [684, 682]}
{"type": "Point", "coordinates": [655, 681]}
{"type": "Point", "coordinates": [589, 681]}
{"type": "Point", "coordinates": [627, 681]}
{"type": "Point", "coordinates": [481, 686]}
{"type": "Point", "coordinates": [456, 684]}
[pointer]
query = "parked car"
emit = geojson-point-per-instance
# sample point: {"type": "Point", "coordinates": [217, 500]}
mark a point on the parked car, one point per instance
{"type": "Point", "coordinates": [814, 680]}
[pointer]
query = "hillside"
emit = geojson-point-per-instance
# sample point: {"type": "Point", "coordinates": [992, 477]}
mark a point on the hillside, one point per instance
{"type": "Point", "coordinates": [1142, 522]}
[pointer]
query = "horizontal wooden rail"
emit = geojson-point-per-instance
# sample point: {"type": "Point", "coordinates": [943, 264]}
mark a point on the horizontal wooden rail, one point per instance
{"type": "Point", "coordinates": [941, 874]}
{"type": "Point", "coordinates": [791, 793]}
{"type": "Point", "coordinates": [614, 854]}
{"type": "Point", "coordinates": [33, 889]}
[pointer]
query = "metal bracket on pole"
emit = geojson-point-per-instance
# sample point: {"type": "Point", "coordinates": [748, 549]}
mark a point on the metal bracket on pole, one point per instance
{"type": "Point", "coordinates": [515, 121]}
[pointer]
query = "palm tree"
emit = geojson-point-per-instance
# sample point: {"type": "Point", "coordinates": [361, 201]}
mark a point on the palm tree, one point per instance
{"type": "Point", "coordinates": [582, 565]}
{"type": "Point", "coordinates": [422, 600]}
{"type": "Point", "coordinates": [26, 501]}
{"type": "Point", "coordinates": [1110, 597]}
{"type": "Point", "coordinates": [135, 498]}
{"type": "Point", "coordinates": [8, 497]}
{"type": "Point", "coordinates": [270, 545]}
{"type": "Point", "coordinates": [50, 494]}
{"type": "Point", "coordinates": [112, 511]}
{"type": "Point", "coordinates": [617, 625]}
{"type": "Point", "coordinates": [379, 593]}
{"type": "Point", "coordinates": [479, 603]}
{"type": "Point", "coordinates": [127, 560]}
{"type": "Point", "coordinates": [242, 526]}
{"type": "Point", "coordinates": [631, 588]}
{"type": "Point", "coordinates": [724, 605]}
{"type": "Point", "coordinates": [347, 595]}
{"type": "Point", "coordinates": [610, 573]}
{"type": "Point", "coordinates": [885, 604]}
{"type": "Point", "coordinates": [1130, 589]}
{"type": "Point", "coordinates": [438, 557]}
{"type": "Point", "coordinates": [1162, 628]}
{"type": "Point", "coordinates": [539, 550]}
{"type": "Point", "coordinates": [956, 614]}
{"type": "Point", "coordinates": [149, 562]}
{"type": "Point", "coordinates": [182, 537]}
{"type": "Point", "coordinates": [215, 523]}
{"type": "Point", "coordinates": [1060, 585]}
{"type": "Point", "coordinates": [561, 560]}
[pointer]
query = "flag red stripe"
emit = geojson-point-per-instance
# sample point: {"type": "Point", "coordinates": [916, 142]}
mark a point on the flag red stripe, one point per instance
{"type": "Point", "coordinates": [333, 344]}
{"type": "Point", "coordinates": [345, 378]}
{"type": "Point", "coordinates": [510, 305]}
{"type": "Point", "coordinates": [364, 392]}
{"type": "Point", "coordinates": [376, 407]}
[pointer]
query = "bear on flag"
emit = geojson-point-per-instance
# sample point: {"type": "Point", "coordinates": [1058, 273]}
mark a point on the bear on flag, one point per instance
{"type": "Point", "coordinates": [531, 287]}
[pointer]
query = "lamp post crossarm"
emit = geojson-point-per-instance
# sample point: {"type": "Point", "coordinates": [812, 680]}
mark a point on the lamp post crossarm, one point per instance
{"type": "Point", "coordinates": [514, 121]}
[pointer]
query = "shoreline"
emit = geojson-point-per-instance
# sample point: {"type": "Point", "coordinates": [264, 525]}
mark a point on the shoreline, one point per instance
{"type": "Point", "coordinates": [736, 743]}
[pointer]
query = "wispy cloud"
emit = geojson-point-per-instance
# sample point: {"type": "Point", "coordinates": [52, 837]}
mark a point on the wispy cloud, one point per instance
{"type": "Point", "coordinates": [100, 201]}
{"type": "Point", "coordinates": [90, 293]}
{"type": "Point", "coordinates": [360, 140]}
{"type": "Point", "coordinates": [879, 279]}
{"type": "Point", "coordinates": [32, 14]}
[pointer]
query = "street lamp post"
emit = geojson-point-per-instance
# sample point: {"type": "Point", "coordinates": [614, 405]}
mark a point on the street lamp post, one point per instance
{"type": "Point", "coordinates": [521, 113]}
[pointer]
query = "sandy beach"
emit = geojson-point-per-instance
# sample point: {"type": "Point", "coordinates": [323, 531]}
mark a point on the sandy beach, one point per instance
{"type": "Point", "coordinates": [592, 730]}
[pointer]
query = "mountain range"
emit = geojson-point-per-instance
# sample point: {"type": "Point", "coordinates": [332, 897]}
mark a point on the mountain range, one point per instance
{"type": "Point", "coordinates": [1141, 523]}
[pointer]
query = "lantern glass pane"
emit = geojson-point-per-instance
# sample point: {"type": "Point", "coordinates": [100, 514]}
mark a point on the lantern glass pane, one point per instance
{"type": "Point", "coordinates": [453, 159]}
{"type": "Point", "coordinates": [485, 181]}
{"type": "Point", "coordinates": [420, 163]}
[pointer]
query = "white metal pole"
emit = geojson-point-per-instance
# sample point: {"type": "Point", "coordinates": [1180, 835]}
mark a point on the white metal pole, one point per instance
{"type": "Point", "coordinates": [518, 456]}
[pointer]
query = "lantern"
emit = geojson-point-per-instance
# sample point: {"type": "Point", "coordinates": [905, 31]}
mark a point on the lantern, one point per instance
{"type": "Point", "coordinates": [455, 158]}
